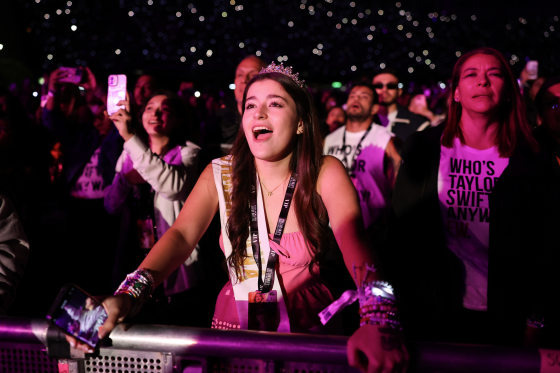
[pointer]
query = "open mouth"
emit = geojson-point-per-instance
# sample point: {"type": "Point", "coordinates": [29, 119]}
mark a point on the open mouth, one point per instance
{"type": "Point", "coordinates": [261, 131]}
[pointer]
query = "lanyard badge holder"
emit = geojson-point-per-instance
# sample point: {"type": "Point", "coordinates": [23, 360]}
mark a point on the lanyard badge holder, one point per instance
{"type": "Point", "coordinates": [263, 303]}
{"type": "Point", "coordinates": [350, 168]}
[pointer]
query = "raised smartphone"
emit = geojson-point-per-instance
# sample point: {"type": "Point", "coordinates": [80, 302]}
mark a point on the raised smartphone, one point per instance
{"type": "Point", "coordinates": [78, 314]}
{"type": "Point", "coordinates": [116, 92]}
{"type": "Point", "coordinates": [72, 75]}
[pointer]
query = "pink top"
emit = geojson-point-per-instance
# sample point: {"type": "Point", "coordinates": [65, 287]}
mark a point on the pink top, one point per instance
{"type": "Point", "coordinates": [306, 295]}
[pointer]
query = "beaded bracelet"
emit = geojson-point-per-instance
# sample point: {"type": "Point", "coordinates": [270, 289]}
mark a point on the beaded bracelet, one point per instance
{"type": "Point", "coordinates": [377, 305]}
{"type": "Point", "coordinates": [138, 285]}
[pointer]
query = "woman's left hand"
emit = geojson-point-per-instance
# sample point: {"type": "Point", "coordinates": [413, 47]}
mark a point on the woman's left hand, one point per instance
{"type": "Point", "coordinates": [122, 119]}
{"type": "Point", "coordinates": [371, 350]}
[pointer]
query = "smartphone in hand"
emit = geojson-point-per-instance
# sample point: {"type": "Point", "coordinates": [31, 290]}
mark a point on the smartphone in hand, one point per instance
{"type": "Point", "coordinates": [116, 92]}
{"type": "Point", "coordinates": [78, 314]}
{"type": "Point", "coordinates": [73, 75]}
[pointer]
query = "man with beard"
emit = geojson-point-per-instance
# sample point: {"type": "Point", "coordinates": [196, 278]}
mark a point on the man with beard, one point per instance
{"type": "Point", "coordinates": [368, 152]}
{"type": "Point", "coordinates": [398, 119]}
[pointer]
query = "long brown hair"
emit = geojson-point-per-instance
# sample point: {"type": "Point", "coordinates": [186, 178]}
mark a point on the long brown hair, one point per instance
{"type": "Point", "coordinates": [306, 161]}
{"type": "Point", "coordinates": [513, 125]}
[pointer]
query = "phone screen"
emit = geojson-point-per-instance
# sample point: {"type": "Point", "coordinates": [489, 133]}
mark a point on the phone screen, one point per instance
{"type": "Point", "coordinates": [116, 92]}
{"type": "Point", "coordinates": [78, 314]}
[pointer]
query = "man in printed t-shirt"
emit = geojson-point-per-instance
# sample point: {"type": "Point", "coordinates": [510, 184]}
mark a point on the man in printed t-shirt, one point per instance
{"type": "Point", "coordinates": [368, 152]}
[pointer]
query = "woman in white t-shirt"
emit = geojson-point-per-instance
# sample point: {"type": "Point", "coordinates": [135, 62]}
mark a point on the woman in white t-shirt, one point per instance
{"type": "Point", "coordinates": [154, 176]}
{"type": "Point", "coordinates": [454, 205]}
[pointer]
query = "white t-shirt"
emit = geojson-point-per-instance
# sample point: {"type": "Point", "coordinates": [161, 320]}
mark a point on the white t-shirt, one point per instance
{"type": "Point", "coordinates": [90, 183]}
{"type": "Point", "coordinates": [368, 173]}
{"type": "Point", "coordinates": [465, 181]}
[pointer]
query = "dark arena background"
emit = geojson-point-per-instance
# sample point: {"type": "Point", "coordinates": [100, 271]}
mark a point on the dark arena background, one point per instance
{"type": "Point", "coordinates": [326, 40]}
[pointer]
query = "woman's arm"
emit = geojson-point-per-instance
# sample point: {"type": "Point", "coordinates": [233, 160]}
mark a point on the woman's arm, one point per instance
{"type": "Point", "coordinates": [371, 348]}
{"type": "Point", "coordinates": [342, 204]}
{"type": "Point", "coordinates": [170, 180]}
{"type": "Point", "coordinates": [174, 247]}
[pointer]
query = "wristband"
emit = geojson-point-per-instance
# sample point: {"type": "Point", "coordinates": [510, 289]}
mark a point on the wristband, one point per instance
{"type": "Point", "coordinates": [139, 285]}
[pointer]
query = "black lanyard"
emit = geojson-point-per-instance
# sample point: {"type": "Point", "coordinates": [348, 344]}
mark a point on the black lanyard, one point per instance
{"type": "Point", "coordinates": [350, 167]}
{"type": "Point", "coordinates": [265, 286]}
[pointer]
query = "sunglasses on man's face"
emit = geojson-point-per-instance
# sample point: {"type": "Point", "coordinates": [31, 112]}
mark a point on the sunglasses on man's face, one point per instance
{"type": "Point", "coordinates": [388, 85]}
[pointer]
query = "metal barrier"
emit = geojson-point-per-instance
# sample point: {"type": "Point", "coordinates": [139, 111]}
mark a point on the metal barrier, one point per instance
{"type": "Point", "coordinates": [28, 346]}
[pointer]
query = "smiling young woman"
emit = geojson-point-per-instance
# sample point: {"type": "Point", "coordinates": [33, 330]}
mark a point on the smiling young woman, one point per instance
{"type": "Point", "coordinates": [273, 244]}
{"type": "Point", "coordinates": [154, 175]}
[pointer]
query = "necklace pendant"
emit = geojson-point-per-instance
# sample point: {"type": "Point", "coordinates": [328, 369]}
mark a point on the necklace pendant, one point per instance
{"type": "Point", "coordinates": [269, 193]}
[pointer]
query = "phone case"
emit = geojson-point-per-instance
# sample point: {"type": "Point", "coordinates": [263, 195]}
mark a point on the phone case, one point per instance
{"type": "Point", "coordinates": [116, 92]}
{"type": "Point", "coordinates": [77, 313]}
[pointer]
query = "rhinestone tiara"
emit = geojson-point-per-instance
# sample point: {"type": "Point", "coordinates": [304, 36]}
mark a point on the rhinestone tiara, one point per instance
{"type": "Point", "coordinates": [273, 68]}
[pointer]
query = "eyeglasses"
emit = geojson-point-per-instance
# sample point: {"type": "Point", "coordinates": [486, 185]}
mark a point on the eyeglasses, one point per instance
{"type": "Point", "coordinates": [388, 85]}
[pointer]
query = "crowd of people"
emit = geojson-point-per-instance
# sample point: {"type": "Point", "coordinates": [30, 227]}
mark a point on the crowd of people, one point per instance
{"type": "Point", "coordinates": [439, 207]}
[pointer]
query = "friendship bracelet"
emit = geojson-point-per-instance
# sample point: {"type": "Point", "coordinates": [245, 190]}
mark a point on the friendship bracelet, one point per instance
{"type": "Point", "coordinates": [377, 305]}
{"type": "Point", "coordinates": [139, 285]}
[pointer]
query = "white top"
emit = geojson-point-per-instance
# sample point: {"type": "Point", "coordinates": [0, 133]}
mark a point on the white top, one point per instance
{"type": "Point", "coordinates": [172, 178]}
{"type": "Point", "coordinates": [465, 181]}
{"type": "Point", "coordinates": [368, 173]}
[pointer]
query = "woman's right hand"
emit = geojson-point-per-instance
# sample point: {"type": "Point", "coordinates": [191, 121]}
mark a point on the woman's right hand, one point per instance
{"type": "Point", "coordinates": [117, 307]}
{"type": "Point", "coordinates": [372, 350]}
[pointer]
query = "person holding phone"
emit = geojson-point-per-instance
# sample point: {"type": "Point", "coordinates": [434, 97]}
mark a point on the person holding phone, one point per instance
{"type": "Point", "coordinates": [78, 314]}
{"type": "Point", "coordinates": [154, 175]}
{"type": "Point", "coordinates": [90, 147]}
{"type": "Point", "coordinates": [276, 162]}
{"type": "Point", "coordinates": [86, 319]}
